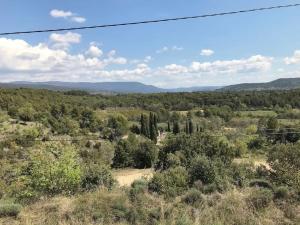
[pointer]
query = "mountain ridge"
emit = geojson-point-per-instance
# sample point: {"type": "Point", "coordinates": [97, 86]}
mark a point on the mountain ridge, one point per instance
{"type": "Point", "coordinates": [137, 87]}
{"type": "Point", "coordinates": [102, 87]}
{"type": "Point", "coordinates": [278, 84]}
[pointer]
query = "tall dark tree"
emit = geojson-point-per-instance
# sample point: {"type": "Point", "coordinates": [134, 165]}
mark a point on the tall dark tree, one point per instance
{"type": "Point", "coordinates": [144, 125]}
{"type": "Point", "coordinates": [191, 127]}
{"type": "Point", "coordinates": [169, 127]}
{"type": "Point", "coordinates": [153, 127]}
{"type": "Point", "coordinates": [176, 128]}
{"type": "Point", "coordinates": [186, 127]}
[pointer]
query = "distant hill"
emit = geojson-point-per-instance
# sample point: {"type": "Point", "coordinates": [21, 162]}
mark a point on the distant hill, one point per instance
{"type": "Point", "coordinates": [102, 87]}
{"type": "Point", "coordinates": [280, 84]}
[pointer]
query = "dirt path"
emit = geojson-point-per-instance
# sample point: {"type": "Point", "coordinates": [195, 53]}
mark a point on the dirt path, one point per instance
{"type": "Point", "coordinates": [128, 176]}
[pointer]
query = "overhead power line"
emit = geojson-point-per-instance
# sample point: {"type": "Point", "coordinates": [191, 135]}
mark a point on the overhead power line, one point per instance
{"type": "Point", "coordinates": [150, 21]}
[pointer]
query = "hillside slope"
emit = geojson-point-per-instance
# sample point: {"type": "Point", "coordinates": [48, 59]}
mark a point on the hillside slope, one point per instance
{"type": "Point", "coordinates": [279, 84]}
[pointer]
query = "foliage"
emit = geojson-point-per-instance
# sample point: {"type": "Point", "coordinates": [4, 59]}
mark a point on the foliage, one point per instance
{"type": "Point", "coordinates": [285, 162]}
{"type": "Point", "coordinates": [202, 169]}
{"type": "Point", "coordinates": [51, 169]}
{"type": "Point", "coordinates": [260, 198]}
{"type": "Point", "coordinates": [193, 197]}
{"type": "Point", "coordinates": [146, 155]}
{"type": "Point", "coordinates": [95, 175]}
{"type": "Point", "coordinates": [9, 209]}
{"type": "Point", "coordinates": [170, 183]}
{"type": "Point", "coordinates": [119, 124]}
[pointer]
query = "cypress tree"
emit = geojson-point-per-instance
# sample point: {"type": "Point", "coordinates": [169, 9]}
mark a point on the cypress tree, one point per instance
{"type": "Point", "coordinates": [191, 127]}
{"type": "Point", "coordinates": [186, 127]}
{"type": "Point", "coordinates": [176, 128]}
{"type": "Point", "coordinates": [153, 127]}
{"type": "Point", "coordinates": [144, 125]}
{"type": "Point", "coordinates": [169, 127]}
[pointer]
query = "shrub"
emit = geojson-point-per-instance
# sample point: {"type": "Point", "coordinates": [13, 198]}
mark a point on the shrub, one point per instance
{"type": "Point", "coordinates": [285, 162]}
{"type": "Point", "coordinates": [281, 192]}
{"type": "Point", "coordinates": [146, 155]}
{"type": "Point", "coordinates": [9, 209]}
{"type": "Point", "coordinates": [193, 197]}
{"type": "Point", "coordinates": [241, 173]}
{"type": "Point", "coordinates": [202, 169]}
{"type": "Point", "coordinates": [261, 183]}
{"type": "Point", "coordinates": [171, 182]}
{"type": "Point", "coordinates": [95, 176]}
{"type": "Point", "coordinates": [125, 152]}
{"type": "Point", "coordinates": [27, 137]}
{"type": "Point", "coordinates": [260, 198]}
{"type": "Point", "coordinates": [26, 113]}
{"type": "Point", "coordinates": [138, 187]}
{"type": "Point", "coordinates": [52, 168]}
{"type": "Point", "coordinates": [240, 148]}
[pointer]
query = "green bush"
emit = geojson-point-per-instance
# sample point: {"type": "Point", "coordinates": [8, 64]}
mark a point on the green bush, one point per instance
{"type": "Point", "coordinates": [95, 176]}
{"type": "Point", "coordinates": [146, 155]}
{"type": "Point", "coordinates": [281, 192]}
{"type": "Point", "coordinates": [52, 168]}
{"type": "Point", "coordinates": [202, 169]}
{"type": "Point", "coordinates": [260, 198]}
{"type": "Point", "coordinates": [9, 209]}
{"type": "Point", "coordinates": [170, 183]}
{"type": "Point", "coordinates": [138, 187]}
{"type": "Point", "coordinates": [193, 197]}
{"type": "Point", "coordinates": [285, 162]}
{"type": "Point", "coordinates": [261, 183]}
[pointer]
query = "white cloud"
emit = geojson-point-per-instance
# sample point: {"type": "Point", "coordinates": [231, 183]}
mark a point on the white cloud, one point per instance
{"type": "Point", "coordinates": [167, 49]}
{"type": "Point", "coordinates": [294, 59]}
{"type": "Point", "coordinates": [255, 63]}
{"type": "Point", "coordinates": [22, 61]}
{"type": "Point", "coordinates": [175, 69]}
{"type": "Point", "coordinates": [60, 13]}
{"type": "Point", "coordinates": [56, 13]}
{"type": "Point", "coordinates": [63, 41]}
{"type": "Point", "coordinates": [94, 51]}
{"type": "Point", "coordinates": [207, 52]}
{"type": "Point", "coordinates": [176, 48]}
{"type": "Point", "coordinates": [162, 50]}
{"type": "Point", "coordinates": [78, 19]}
{"type": "Point", "coordinates": [147, 59]}
{"type": "Point", "coordinates": [112, 53]}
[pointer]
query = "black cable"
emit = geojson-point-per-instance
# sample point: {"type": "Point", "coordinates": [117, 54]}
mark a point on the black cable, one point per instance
{"type": "Point", "coordinates": [150, 21]}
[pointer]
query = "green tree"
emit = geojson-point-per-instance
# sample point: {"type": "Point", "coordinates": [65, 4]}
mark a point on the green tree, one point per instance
{"type": "Point", "coordinates": [170, 183]}
{"type": "Point", "coordinates": [176, 128]}
{"type": "Point", "coordinates": [169, 127]}
{"type": "Point", "coordinates": [191, 127]}
{"type": "Point", "coordinates": [144, 125]}
{"type": "Point", "coordinates": [202, 169]}
{"type": "Point", "coordinates": [153, 127]}
{"type": "Point", "coordinates": [26, 112]}
{"type": "Point", "coordinates": [146, 155]}
{"type": "Point", "coordinates": [52, 169]}
{"type": "Point", "coordinates": [125, 152]}
{"type": "Point", "coordinates": [119, 124]}
{"type": "Point", "coordinates": [285, 163]}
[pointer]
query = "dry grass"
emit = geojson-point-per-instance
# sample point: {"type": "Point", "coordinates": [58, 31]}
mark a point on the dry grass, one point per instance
{"type": "Point", "coordinates": [128, 176]}
{"type": "Point", "coordinates": [88, 208]}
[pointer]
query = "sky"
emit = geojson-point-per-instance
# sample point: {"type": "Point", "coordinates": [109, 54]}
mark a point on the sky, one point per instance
{"type": "Point", "coordinates": [215, 51]}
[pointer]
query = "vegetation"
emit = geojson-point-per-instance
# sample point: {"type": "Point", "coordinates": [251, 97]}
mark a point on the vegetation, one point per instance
{"type": "Point", "coordinates": [217, 158]}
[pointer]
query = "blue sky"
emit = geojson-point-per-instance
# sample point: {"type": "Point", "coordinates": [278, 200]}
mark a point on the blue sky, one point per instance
{"type": "Point", "coordinates": [252, 47]}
